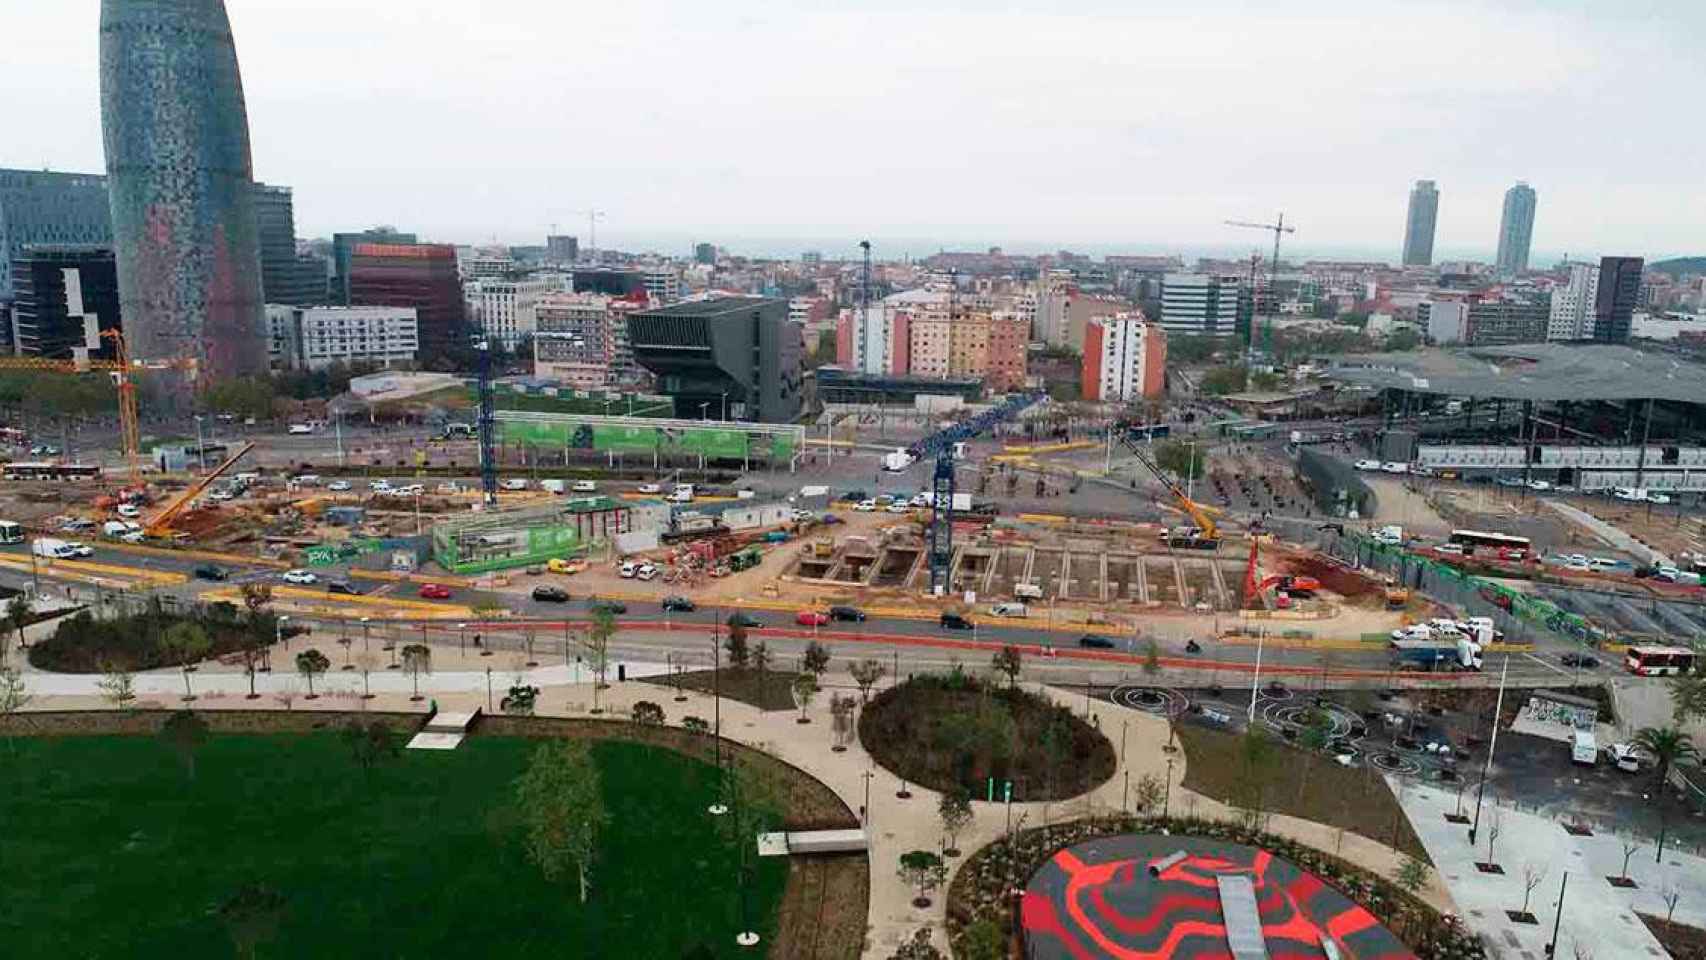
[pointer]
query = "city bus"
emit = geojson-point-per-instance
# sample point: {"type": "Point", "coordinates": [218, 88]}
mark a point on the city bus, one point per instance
{"type": "Point", "coordinates": [50, 471]}
{"type": "Point", "coordinates": [1505, 545]}
{"type": "Point", "coordinates": [11, 532]}
{"type": "Point", "coordinates": [1647, 661]}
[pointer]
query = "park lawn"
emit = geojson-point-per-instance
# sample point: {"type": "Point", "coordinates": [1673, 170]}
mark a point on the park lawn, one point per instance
{"type": "Point", "coordinates": [108, 849]}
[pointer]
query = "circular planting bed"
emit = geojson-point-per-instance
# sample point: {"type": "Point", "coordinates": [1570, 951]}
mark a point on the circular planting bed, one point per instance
{"type": "Point", "coordinates": [955, 732]}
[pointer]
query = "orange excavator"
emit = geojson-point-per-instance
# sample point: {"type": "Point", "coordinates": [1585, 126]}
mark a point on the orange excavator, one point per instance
{"type": "Point", "coordinates": [1288, 585]}
{"type": "Point", "coordinates": [160, 525]}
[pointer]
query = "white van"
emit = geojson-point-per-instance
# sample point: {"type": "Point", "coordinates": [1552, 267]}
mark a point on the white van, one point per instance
{"type": "Point", "coordinates": [52, 549]}
{"type": "Point", "coordinates": [514, 483]}
{"type": "Point", "coordinates": [1028, 591]}
{"type": "Point", "coordinates": [300, 429]}
{"type": "Point", "coordinates": [555, 486]}
{"type": "Point", "coordinates": [1010, 610]}
{"type": "Point", "coordinates": [628, 569]}
{"type": "Point", "coordinates": [683, 493]}
{"type": "Point", "coordinates": [1583, 750]}
{"type": "Point", "coordinates": [307, 480]}
{"type": "Point", "coordinates": [581, 486]}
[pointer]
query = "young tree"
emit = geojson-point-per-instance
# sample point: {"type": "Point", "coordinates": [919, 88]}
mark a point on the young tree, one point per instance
{"type": "Point", "coordinates": [185, 642]}
{"type": "Point", "coordinates": [310, 662]}
{"type": "Point", "coordinates": [761, 658]}
{"type": "Point", "coordinates": [955, 811]}
{"type": "Point", "coordinates": [924, 871]}
{"type": "Point", "coordinates": [1008, 660]}
{"type": "Point", "coordinates": [696, 724]}
{"type": "Point", "coordinates": [562, 813]}
{"type": "Point", "coordinates": [366, 663]}
{"type": "Point", "coordinates": [371, 744]}
{"type": "Point", "coordinates": [815, 660]}
{"type": "Point", "coordinates": [648, 714]}
{"type": "Point", "coordinates": [184, 732]}
{"type": "Point", "coordinates": [1495, 826]}
{"type": "Point", "coordinates": [1631, 846]}
{"type": "Point", "coordinates": [417, 659]}
{"type": "Point", "coordinates": [18, 613]}
{"type": "Point", "coordinates": [918, 948]}
{"type": "Point", "coordinates": [736, 646]}
{"type": "Point", "coordinates": [1533, 875]}
{"type": "Point", "coordinates": [866, 673]}
{"type": "Point", "coordinates": [117, 683]}
{"type": "Point", "coordinates": [14, 695]}
{"type": "Point", "coordinates": [257, 595]}
{"type": "Point", "coordinates": [1152, 659]}
{"type": "Point", "coordinates": [598, 643]}
{"type": "Point", "coordinates": [841, 708]}
{"type": "Point", "coordinates": [805, 689]}
{"type": "Point", "coordinates": [1671, 894]}
{"type": "Point", "coordinates": [1667, 746]}
{"type": "Point", "coordinates": [1148, 793]}
{"type": "Point", "coordinates": [1412, 875]}
{"type": "Point", "coordinates": [252, 915]}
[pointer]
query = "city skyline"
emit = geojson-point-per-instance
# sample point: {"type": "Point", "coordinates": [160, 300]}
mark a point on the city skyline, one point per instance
{"type": "Point", "coordinates": [1067, 183]}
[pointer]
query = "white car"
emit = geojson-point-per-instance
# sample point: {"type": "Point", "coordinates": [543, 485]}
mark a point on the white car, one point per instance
{"type": "Point", "coordinates": [650, 488]}
{"type": "Point", "coordinates": [1667, 574]}
{"type": "Point", "coordinates": [1393, 466]}
{"type": "Point", "coordinates": [804, 516]}
{"type": "Point", "coordinates": [134, 536]}
{"type": "Point", "coordinates": [1539, 485]}
{"type": "Point", "coordinates": [584, 486]}
{"type": "Point", "coordinates": [866, 506]}
{"type": "Point", "coordinates": [306, 480]}
{"type": "Point", "coordinates": [1452, 548]}
{"type": "Point", "coordinates": [380, 486]}
{"type": "Point", "coordinates": [338, 485]}
{"type": "Point", "coordinates": [128, 511]}
{"type": "Point", "coordinates": [1658, 498]}
{"type": "Point", "coordinates": [515, 483]}
{"type": "Point", "coordinates": [221, 495]}
{"type": "Point", "coordinates": [79, 549]}
{"type": "Point", "coordinates": [300, 577]}
{"type": "Point", "coordinates": [448, 487]}
{"type": "Point", "coordinates": [628, 570]}
{"type": "Point", "coordinates": [412, 490]}
{"type": "Point", "coordinates": [1368, 464]}
{"type": "Point", "coordinates": [898, 507]}
{"type": "Point", "coordinates": [647, 571]}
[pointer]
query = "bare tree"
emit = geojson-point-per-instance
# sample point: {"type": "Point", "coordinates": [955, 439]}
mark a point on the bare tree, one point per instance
{"type": "Point", "coordinates": [1495, 825]}
{"type": "Point", "coordinates": [841, 712]}
{"type": "Point", "coordinates": [14, 696]}
{"type": "Point", "coordinates": [866, 673]}
{"type": "Point", "coordinates": [1631, 845]}
{"type": "Point", "coordinates": [1672, 895]}
{"type": "Point", "coordinates": [117, 683]}
{"type": "Point", "coordinates": [1533, 875]}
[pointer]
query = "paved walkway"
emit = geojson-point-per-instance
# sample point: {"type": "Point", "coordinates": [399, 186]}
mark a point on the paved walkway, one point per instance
{"type": "Point", "coordinates": [1597, 916]}
{"type": "Point", "coordinates": [896, 825]}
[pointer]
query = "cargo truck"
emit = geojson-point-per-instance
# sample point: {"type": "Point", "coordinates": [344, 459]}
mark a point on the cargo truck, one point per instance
{"type": "Point", "coordinates": [1443, 653]}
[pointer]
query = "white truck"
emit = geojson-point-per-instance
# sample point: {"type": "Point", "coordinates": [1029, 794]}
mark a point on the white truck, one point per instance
{"type": "Point", "coordinates": [897, 461]}
{"type": "Point", "coordinates": [53, 549]}
{"type": "Point", "coordinates": [1583, 750]}
{"type": "Point", "coordinates": [1391, 535]}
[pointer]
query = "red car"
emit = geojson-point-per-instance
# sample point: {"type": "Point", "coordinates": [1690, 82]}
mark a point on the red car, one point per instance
{"type": "Point", "coordinates": [811, 618]}
{"type": "Point", "coordinates": [435, 591]}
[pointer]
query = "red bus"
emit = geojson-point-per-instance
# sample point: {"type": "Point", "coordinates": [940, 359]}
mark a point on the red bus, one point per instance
{"type": "Point", "coordinates": [1659, 661]}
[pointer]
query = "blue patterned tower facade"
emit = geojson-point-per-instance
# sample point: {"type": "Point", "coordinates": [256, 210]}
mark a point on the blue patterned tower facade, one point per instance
{"type": "Point", "coordinates": [179, 180]}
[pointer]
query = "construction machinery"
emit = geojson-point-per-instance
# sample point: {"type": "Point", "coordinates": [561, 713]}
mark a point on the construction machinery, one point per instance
{"type": "Point", "coordinates": [1205, 535]}
{"type": "Point", "coordinates": [160, 525]}
{"type": "Point", "coordinates": [119, 369]}
{"type": "Point", "coordinates": [1278, 229]}
{"type": "Point", "coordinates": [945, 445]}
{"type": "Point", "coordinates": [1288, 586]}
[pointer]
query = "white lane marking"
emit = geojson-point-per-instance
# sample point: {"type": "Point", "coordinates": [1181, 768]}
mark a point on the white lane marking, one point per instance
{"type": "Point", "coordinates": [1558, 670]}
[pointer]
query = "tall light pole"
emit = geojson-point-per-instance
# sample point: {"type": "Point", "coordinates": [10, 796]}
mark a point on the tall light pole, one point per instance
{"type": "Point", "coordinates": [200, 445]}
{"type": "Point", "coordinates": [1492, 743]}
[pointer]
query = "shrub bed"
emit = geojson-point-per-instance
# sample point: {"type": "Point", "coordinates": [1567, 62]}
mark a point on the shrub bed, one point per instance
{"type": "Point", "coordinates": [82, 644]}
{"type": "Point", "coordinates": [980, 894]}
{"type": "Point", "coordinates": [955, 731]}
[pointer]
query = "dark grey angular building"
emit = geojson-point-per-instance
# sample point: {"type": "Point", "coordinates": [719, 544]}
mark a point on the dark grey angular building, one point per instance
{"type": "Point", "coordinates": [44, 207]}
{"type": "Point", "coordinates": [180, 182]}
{"type": "Point", "coordinates": [285, 277]}
{"type": "Point", "coordinates": [65, 297]}
{"type": "Point", "coordinates": [738, 351]}
{"type": "Point", "coordinates": [1420, 223]}
{"type": "Point", "coordinates": [1614, 302]}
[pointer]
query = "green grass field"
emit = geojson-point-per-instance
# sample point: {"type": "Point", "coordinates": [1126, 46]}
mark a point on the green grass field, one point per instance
{"type": "Point", "coordinates": [108, 849]}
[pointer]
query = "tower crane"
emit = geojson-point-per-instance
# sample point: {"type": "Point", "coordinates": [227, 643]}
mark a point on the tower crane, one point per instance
{"type": "Point", "coordinates": [1278, 227]}
{"type": "Point", "coordinates": [120, 370]}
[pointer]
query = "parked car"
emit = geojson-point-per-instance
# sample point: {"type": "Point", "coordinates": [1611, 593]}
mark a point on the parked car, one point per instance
{"type": "Point", "coordinates": [549, 594]}
{"type": "Point", "coordinates": [338, 485]}
{"type": "Point", "coordinates": [1455, 549]}
{"type": "Point", "coordinates": [514, 483]}
{"type": "Point", "coordinates": [608, 606]}
{"type": "Point", "coordinates": [679, 605]}
{"type": "Point", "coordinates": [647, 571]}
{"type": "Point", "coordinates": [955, 621]}
{"type": "Point", "coordinates": [811, 618]}
{"type": "Point", "coordinates": [1509, 481]}
{"type": "Point", "coordinates": [344, 587]}
{"type": "Point", "coordinates": [560, 565]}
{"type": "Point", "coordinates": [898, 507]}
{"type": "Point", "coordinates": [208, 571]}
{"type": "Point", "coordinates": [434, 591]}
{"type": "Point", "coordinates": [650, 488]}
{"type": "Point", "coordinates": [1370, 465]}
{"type": "Point", "coordinates": [128, 511]}
{"type": "Point", "coordinates": [628, 570]}
{"type": "Point", "coordinates": [1539, 486]}
{"type": "Point", "coordinates": [866, 506]}
{"type": "Point", "coordinates": [741, 618]}
{"type": "Point", "coordinates": [300, 577]}
{"type": "Point", "coordinates": [849, 614]}
{"type": "Point", "coordinates": [585, 486]}
{"type": "Point", "coordinates": [1096, 641]}
{"type": "Point", "coordinates": [448, 488]}
{"type": "Point", "coordinates": [1393, 466]}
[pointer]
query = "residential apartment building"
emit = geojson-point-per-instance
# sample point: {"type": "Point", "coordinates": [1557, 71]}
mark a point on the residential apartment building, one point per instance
{"type": "Point", "coordinates": [1197, 304]}
{"type": "Point", "coordinates": [505, 309]}
{"type": "Point", "coordinates": [1615, 299]}
{"type": "Point", "coordinates": [487, 266]}
{"type": "Point", "coordinates": [560, 248]}
{"type": "Point", "coordinates": [1508, 320]}
{"type": "Point", "coordinates": [64, 297]}
{"type": "Point", "coordinates": [1516, 230]}
{"type": "Point", "coordinates": [1419, 224]}
{"type": "Point", "coordinates": [1125, 359]}
{"type": "Point", "coordinates": [43, 207]}
{"type": "Point", "coordinates": [574, 342]}
{"type": "Point", "coordinates": [314, 338]}
{"type": "Point", "coordinates": [1444, 321]}
{"type": "Point", "coordinates": [662, 282]}
{"type": "Point", "coordinates": [1572, 312]}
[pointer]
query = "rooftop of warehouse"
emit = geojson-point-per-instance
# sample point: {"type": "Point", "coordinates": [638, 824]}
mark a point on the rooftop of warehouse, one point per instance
{"type": "Point", "coordinates": [1530, 371]}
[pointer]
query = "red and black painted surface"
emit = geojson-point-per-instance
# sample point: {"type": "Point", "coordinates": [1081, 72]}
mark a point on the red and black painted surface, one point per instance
{"type": "Point", "coordinates": [1098, 900]}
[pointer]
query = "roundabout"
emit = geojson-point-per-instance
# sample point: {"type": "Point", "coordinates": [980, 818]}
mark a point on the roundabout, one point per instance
{"type": "Point", "coordinates": [1158, 897]}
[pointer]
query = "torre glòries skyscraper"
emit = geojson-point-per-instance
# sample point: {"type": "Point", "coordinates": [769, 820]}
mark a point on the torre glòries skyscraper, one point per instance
{"type": "Point", "coordinates": [179, 179]}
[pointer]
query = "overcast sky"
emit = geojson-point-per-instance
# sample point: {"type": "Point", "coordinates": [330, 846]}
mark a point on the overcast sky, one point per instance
{"type": "Point", "coordinates": [918, 123]}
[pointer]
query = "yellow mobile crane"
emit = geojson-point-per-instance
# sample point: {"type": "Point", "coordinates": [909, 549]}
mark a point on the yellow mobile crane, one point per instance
{"type": "Point", "coordinates": [1206, 534]}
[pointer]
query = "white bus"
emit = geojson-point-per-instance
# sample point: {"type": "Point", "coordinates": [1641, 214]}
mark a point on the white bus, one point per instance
{"type": "Point", "coordinates": [1652, 661]}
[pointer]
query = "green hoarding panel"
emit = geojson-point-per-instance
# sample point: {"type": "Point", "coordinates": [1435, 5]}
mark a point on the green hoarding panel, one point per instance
{"type": "Point", "coordinates": [782, 447]}
{"type": "Point", "coordinates": [714, 444]}
{"type": "Point", "coordinates": [545, 542]}
{"type": "Point", "coordinates": [625, 439]}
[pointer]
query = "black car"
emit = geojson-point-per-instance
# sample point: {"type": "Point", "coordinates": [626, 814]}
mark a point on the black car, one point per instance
{"type": "Point", "coordinates": [547, 594]}
{"type": "Point", "coordinates": [344, 587]}
{"type": "Point", "coordinates": [608, 606]}
{"type": "Point", "coordinates": [679, 605]}
{"type": "Point", "coordinates": [954, 621]}
{"type": "Point", "coordinates": [852, 614]}
{"type": "Point", "coordinates": [854, 496]}
{"type": "Point", "coordinates": [1582, 660]}
{"type": "Point", "coordinates": [208, 571]}
{"type": "Point", "coordinates": [742, 619]}
{"type": "Point", "coordinates": [1096, 641]}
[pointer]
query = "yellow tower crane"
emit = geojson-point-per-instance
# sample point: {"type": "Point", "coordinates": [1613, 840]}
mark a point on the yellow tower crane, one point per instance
{"type": "Point", "coordinates": [119, 370]}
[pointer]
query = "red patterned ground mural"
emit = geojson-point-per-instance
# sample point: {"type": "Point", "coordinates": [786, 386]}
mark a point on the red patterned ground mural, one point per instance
{"type": "Point", "coordinates": [1098, 900]}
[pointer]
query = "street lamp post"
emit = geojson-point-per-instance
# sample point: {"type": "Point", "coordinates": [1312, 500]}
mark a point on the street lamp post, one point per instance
{"type": "Point", "coordinates": [703, 407]}
{"type": "Point", "coordinates": [200, 446]}
{"type": "Point", "coordinates": [366, 635]}
{"type": "Point", "coordinates": [462, 639]}
{"type": "Point", "coordinates": [1558, 917]}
